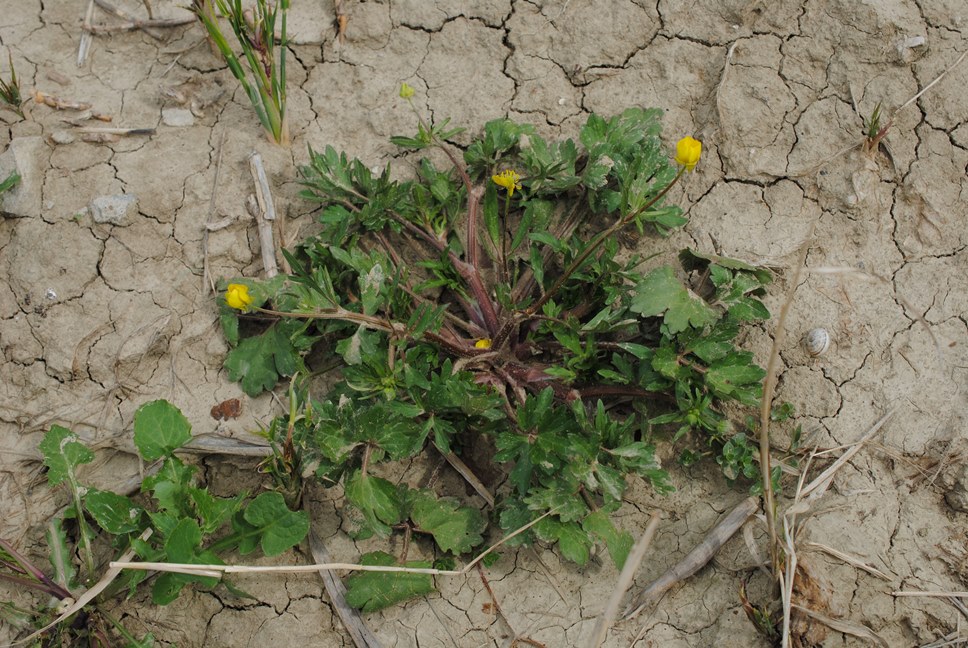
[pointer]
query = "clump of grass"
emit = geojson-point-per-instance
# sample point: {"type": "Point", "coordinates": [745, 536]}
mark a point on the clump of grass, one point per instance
{"type": "Point", "coordinates": [874, 132]}
{"type": "Point", "coordinates": [10, 91]}
{"type": "Point", "coordinates": [255, 30]}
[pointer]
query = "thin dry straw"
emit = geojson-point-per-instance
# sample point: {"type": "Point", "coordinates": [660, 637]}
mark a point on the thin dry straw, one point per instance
{"type": "Point", "coordinates": [804, 495]}
{"type": "Point", "coordinates": [217, 570]}
{"type": "Point", "coordinates": [632, 563]}
{"type": "Point", "coordinates": [766, 403]}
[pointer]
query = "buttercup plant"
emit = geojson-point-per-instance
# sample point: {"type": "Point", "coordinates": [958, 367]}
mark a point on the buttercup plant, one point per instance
{"type": "Point", "coordinates": [484, 310]}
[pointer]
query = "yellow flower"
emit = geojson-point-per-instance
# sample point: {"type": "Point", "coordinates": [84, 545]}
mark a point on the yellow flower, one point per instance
{"type": "Point", "coordinates": [406, 91]}
{"type": "Point", "coordinates": [237, 296]}
{"type": "Point", "coordinates": [483, 343]}
{"type": "Point", "coordinates": [508, 179]}
{"type": "Point", "coordinates": [688, 151]}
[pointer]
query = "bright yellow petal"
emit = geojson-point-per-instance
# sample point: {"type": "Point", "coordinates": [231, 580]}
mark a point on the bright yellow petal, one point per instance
{"type": "Point", "coordinates": [237, 296]}
{"type": "Point", "coordinates": [688, 151]}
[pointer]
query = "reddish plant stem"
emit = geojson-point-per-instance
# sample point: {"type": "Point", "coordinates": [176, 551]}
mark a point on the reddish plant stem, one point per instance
{"type": "Point", "coordinates": [475, 284]}
{"type": "Point", "coordinates": [473, 209]}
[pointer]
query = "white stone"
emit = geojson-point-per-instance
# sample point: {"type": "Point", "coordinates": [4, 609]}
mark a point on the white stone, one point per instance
{"type": "Point", "coordinates": [177, 117]}
{"type": "Point", "coordinates": [62, 137]}
{"type": "Point", "coordinates": [115, 210]}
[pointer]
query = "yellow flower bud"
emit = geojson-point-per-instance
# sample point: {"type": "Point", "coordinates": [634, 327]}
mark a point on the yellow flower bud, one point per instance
{"type": "Point", "coordinates": [688, 151]}
{"type": "Point", "coordinates": [237, 296]}
{"type": "Point", "coordinates": [508, 179]}
{"type": "Point", "coordinates": [406, 91]}
{"type": "Point", "coordinates": [483, 343]}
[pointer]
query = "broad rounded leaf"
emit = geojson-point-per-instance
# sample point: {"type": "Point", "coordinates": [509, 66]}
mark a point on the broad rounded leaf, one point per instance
{"type": "Point", "coordinates": [159, 429]}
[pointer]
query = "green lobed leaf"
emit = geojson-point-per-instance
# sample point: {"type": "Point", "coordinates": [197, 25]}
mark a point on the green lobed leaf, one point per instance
{"type": "Point", "coordinates": [573, 541]}
{"type": "Point", "coordinates": [619, 543]}
{"type": "Point", "coordinates": [565, 502]}
{"type": "Point", "coordinates": [373, 591]}
{"type": "Point", "coordinates": [214, 511]}
{"type": "Point", "coordinates": [660, 293]}
{"type": "Point", "coordinates": [277, 528]}
{"type": "Point", "coordinates": [259, 361]}
{"type": "Point", "coordinates": [378, 500]}
{"type": "Point", "coordinates": [159, 429]}
{"type": "Point", "coordinates": [170, 486]}
{"type": "Point", "coordinates": [63, 453]}
{"type": "Point", "coordinates": [183, 545]}
{"type": "Point", "coordinates": [455, 528]}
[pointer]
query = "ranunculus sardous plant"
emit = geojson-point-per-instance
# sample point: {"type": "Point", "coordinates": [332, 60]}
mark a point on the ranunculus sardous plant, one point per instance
{"type": "Point", "coordinates": [486, 309]}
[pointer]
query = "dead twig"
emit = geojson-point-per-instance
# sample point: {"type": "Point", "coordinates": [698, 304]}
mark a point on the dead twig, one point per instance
{"type": "Point", "coordinates": [59, 104]}
{"type": "Point", "coordinates": [207, 282]}
{"type": "Point", "coordinates": [846, 627]}
{"type": "Point", "coordinates": [805, 495]}
{"type": "Point", "coordinates": [457, 464]}
{"type": "Point", "coordinates": [697, 558]}
{"type": "Point", "coordinates": [632, 563]}
{"type": "Point", "coordinates": [84, 47]}
{"type": "Point", "coordinates": [124, 132]}
{"type": "Point", "coordinates": [135, 25]}
{"type": "Point", "coordinates": [341, 21]}
{"type": "Point", "coordinates": [216, 571]}
{"type": "Point", "coordinates": [132, 23]}
{"type": "Point", "coordinates": [361, 635]}
{"type": "Point", "coordinates": [822, 481]}
{"type": "Point", "coordinates": [265, 215]}
{"type": "Point", "coordinates": [847, 558]}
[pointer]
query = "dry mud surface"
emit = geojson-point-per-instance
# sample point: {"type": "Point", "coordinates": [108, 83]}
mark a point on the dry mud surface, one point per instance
{"type": "Point", "coordinates": [100, 312]}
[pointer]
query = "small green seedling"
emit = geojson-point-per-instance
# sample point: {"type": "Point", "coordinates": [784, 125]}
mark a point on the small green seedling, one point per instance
{"type": "Point", "coordinates": [10, 90]}
{"type": "Point", "coordinates": [874, 132]}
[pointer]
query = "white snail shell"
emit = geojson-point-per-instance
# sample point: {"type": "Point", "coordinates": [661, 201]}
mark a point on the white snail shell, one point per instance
{"type": "Point", "coordinates": [816, 341]}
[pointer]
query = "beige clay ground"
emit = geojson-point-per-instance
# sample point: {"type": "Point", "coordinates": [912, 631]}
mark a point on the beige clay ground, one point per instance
{"type": "Point", "coordinates": [97, 318]}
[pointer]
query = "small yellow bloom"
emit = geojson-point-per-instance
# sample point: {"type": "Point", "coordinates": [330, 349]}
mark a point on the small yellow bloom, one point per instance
{"type": "Point", "coordinates": [508, 179]}
{"type": "Point", "coordinates": [688, 151]}
{"type": "Point", "coordinates": [406, 91]}
{"type": "Point", "coordinates": [483, 343]}
{"type": "Point", "coordinates": [237, 296]}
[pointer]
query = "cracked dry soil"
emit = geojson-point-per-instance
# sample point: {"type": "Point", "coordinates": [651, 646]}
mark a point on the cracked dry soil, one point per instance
{"type": "Point", "coordinates": [97, 317]}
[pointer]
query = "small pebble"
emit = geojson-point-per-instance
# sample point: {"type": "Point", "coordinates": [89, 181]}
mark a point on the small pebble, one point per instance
{"type": "Point", "coordinates": [177, 117]}
{"type": "Point", "coordinates": [62, 137]}
{"type": "Point", "coordinates": [114, 210]}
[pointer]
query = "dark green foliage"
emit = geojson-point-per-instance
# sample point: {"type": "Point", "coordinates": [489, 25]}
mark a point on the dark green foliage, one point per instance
{"type": "Point", "coordinates": [461, 310]}
{"type": "Point", "coordinates": [184, 518]}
